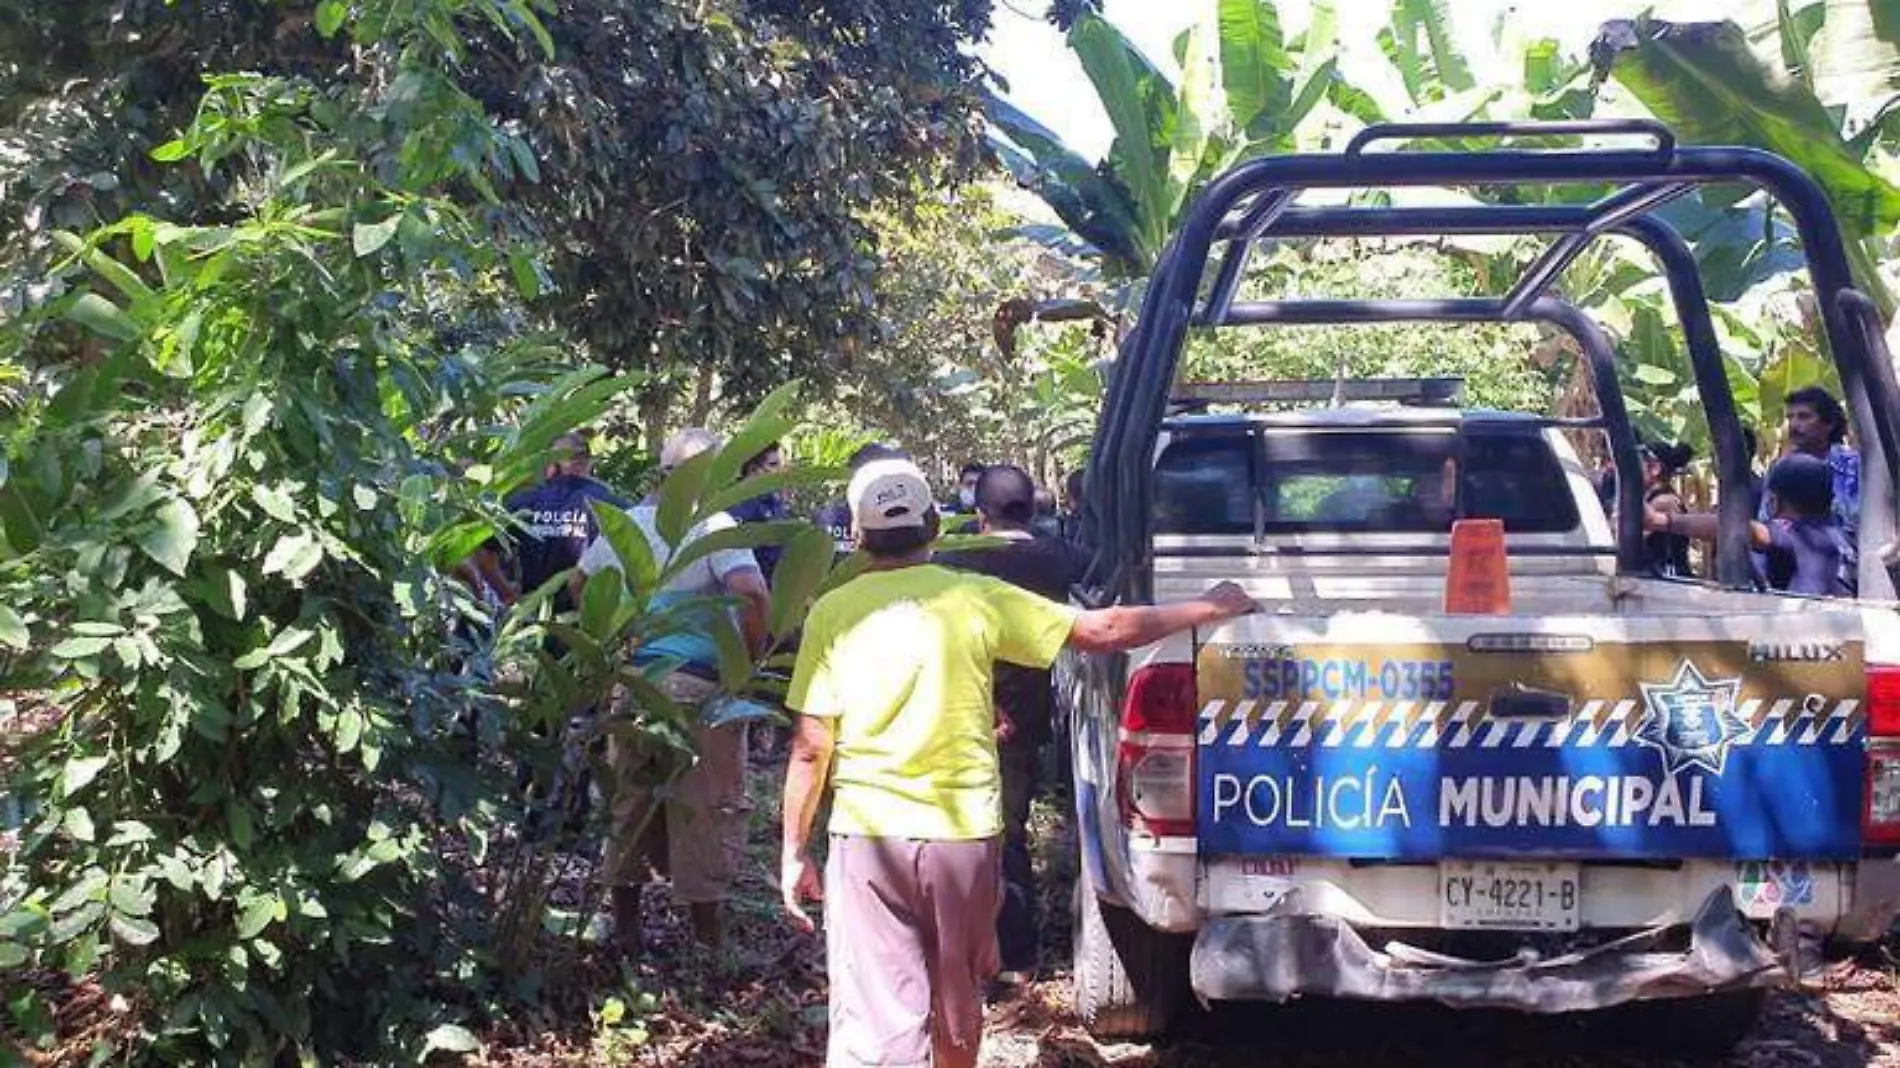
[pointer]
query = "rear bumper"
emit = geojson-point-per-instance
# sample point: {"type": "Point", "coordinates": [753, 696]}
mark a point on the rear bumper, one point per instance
{"type": "Point", "coordinates": [1277, 958]}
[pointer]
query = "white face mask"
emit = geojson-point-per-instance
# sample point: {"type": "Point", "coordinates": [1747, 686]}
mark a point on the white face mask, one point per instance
{"type": "Point", "coordinates": [966, 498]}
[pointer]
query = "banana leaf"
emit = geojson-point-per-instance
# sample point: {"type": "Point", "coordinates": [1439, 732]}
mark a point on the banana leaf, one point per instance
{"type": "Point", "coordinates": [1143, 109]}
{"type": "Point", "coordinates": [1704, 82]}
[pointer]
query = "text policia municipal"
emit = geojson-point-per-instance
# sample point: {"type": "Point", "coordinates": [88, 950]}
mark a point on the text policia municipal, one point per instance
{"type": "Point", "coordinates": [1373, 800]}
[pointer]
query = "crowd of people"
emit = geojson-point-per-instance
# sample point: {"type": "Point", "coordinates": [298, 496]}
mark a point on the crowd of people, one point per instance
{"type": "Point", "coordinates": [1804, 534]}
{"type": "Point", "coordinates": [923, 707]}
{"type": "Point", "coordinates": [922, 703]}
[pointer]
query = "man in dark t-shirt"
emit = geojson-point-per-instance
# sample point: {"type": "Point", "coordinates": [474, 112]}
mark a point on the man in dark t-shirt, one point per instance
{"type": "Point", "coordinates": [1025, 702]}
{"type": "Point", "coordinates": [554, 524]}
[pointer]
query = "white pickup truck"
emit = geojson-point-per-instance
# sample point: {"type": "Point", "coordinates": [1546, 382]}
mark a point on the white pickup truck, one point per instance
{"type": "Point", "coordinates": [1625, 789]}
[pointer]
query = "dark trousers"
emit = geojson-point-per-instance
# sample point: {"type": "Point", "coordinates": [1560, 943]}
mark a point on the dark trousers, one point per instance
{"type": "Point", "coordinates": [1016, 921]}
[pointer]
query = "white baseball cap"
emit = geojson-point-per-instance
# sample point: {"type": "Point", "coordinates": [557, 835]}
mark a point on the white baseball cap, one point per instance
{"type": "Point", "coordinates": [685, 445]}
{"type": "Point", "coordinates": [889, 495]}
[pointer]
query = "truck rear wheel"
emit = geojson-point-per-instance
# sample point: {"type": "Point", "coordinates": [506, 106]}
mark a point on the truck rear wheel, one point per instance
{"type": "Point", "coordinates": [1130, 979]}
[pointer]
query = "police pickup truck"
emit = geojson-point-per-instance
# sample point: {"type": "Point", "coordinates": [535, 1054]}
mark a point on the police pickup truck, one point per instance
{"type": "Point", "coordinates": [1621, 789]}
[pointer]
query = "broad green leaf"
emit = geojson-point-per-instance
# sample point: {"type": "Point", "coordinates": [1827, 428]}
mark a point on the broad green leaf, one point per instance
{"type": "Point", "coordinates": [275, 503]}
{"type": "Point", "coordinates": [1141, 106]}
{"type": "Point", "coordinates": [330, 16]}
{"type": "Point", "coordinates": [600, 599]}
{"type": "Point", "coordinates": [349, 730]}
{"type": "Point", "coordinates": [1650, 374]}
{"type": "Point", "coordinates": [294, 555]}
{"type": "Point", "coordinates": [367, 238]}
{"type": "Point", "coordinates": [173, 536]}
{"type": "Point", "coordinates": [1418, 43]}
{"type": "Point", "coordinates": [132, 495]}
{"type": "Point", "coordinates": [801, 569]}
{"type": "Point", "coordinates": [13, 632]}
{"type": "Point", "coordinates": [1197, 119]}
{"type": "Point", "coordinates": [680, 494]}
{"type": "Point", "coordinates": [744, 536]}
{"type": "Point", "coordinates": [90, 886]}
{"type": "Point", "coordinates": [1704, 82]}
{"type": "Point", "coordinates": [133, 930]}
{"type": "Point", "coordinates": [776, 482]}
{"type": "Point", "coordinates": [1852, 50]}
{"type": "Point", "coordinates": [767, 424]}
{"type": "Point", "coordinates": [131, 896]}
{"type": "Point", "coordinates": [171, 151]}
{"type": "Point", "coordinates": [630, 544]}
{"type": "Point", "coordinates": [103, 317]}
{"type": "Point", "coordinates": [257, 914]}
{"type": "Point", "coordinates": [224, 590]}
{"type": "Point", "coordinates": [78, 825]}
{"type": "Point", "coordinates": [80, 648]}
{"type": "Point", "coordinates": [449, 1038]}
{"type": "Point", "coordinates": [1094, 207]}
{"type": "Point", "coordinates": [287, 641]}
{"type": "Point", "coordinates": [13, 955]}
{"type": "Point", "coordinates": [79, 773]}
{"type": "Point", "coordinates": [735, 660]}
{"type": "Point", "coordinates": [121, 277]}
{"type": "Point", "coordinates": [1254, 66]}
{"type": "Point", "coordinates": [237, 816]}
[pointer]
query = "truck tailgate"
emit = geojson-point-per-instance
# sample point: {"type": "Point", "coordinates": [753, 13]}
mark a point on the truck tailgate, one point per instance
{"type": "Point", "coordinates": [1399, 737]}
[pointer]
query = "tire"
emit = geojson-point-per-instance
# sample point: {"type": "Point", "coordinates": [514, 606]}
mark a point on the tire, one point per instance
{"type": "Point", "coordinates": [1130, 979]}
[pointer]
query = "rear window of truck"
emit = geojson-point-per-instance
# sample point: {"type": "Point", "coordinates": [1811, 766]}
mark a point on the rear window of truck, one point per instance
{"type": "Point", "coordinates": [1356, 481]}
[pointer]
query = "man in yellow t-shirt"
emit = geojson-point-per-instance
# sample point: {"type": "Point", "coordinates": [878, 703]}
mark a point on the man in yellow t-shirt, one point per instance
{"type": "Point", "coordinates": [892, 687]}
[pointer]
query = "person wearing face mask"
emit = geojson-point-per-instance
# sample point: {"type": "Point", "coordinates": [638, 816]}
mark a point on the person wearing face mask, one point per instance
{"type": "Point", "coordinates": [967, 477]}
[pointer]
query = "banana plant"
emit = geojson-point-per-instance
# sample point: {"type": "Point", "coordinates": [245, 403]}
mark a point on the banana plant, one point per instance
{"type": "Point", "coordinates": [1706, 83]}
{"type": "Point", "coordinates": [1244, 89]}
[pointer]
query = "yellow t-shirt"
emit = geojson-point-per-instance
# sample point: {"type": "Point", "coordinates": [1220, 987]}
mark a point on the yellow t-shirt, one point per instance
{"type": "Point", "coordinates": [901, 661]}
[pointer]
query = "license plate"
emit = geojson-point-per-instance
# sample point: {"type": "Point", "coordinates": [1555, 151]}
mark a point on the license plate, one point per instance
{"type": "Point", "coordinates": [1496, 896]}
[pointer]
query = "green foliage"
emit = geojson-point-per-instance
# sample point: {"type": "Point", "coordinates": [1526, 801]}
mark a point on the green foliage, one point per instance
{"type": "Point", "coordinates": [1243, 91]}
{"type": "Point", "coordinates": [1706, 83]}
{"type": "Point", "coordinates": [732, 150]}
{"type": "Point", "coordinates": [1494, 359]}
{"type": "Point", "coordinates": [231, 478]}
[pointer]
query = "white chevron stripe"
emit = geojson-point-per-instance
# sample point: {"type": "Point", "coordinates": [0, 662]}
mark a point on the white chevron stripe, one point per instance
{"type": "Point", "coordinates": [1559, 732]}
{"type": "Point", "coordinates": [1337, 719]}
{"type": "Point", "coordinates": [1494, 733]}
{"type": "Point", "coordinates": [1271, 718]}
{"type": "Point", "coordinates": [1625, 717]}
{"type": "Point", "coordinates": [1403, 724]}
{"type": "Point", "coordinates": [1304, 717]}
{"type": "Point", "coordinates": [1210, 721]}
{"type": "Point", "coordinates": [1368, 725]}
{"type": "Point", "coordinates": [1845, 712]}
{"type": "Point", "coordinates": [1243, 725]}
{"type": "Point", "coordinates": [1428, 738]}
{"type": "Point", "coordinates": [1783, 724]}
{"type": "Point", "coordinates": [1462, 717]}
{"type": "Point", "coordinates": [1527, 733]}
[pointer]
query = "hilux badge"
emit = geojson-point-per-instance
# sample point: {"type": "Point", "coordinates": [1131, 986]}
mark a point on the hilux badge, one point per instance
{"type": "Point", "coordinates": [1691, 720]}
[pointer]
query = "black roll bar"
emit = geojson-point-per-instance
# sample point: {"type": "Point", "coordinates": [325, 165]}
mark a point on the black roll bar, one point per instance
{"type": "Point", "coordinates": [1664, 137]}
{"type": "Point", "coordinates": [1117, 514]}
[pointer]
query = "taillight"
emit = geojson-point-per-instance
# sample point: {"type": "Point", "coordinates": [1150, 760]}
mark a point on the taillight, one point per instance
{"type": "Point", "coordinates": [1880, 815]}
{"type": "Point", "coordinates": [1155, 760]}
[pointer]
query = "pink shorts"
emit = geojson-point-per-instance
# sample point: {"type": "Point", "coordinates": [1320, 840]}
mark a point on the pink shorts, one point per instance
{"type": "Point", "coordinates": [910, 937]}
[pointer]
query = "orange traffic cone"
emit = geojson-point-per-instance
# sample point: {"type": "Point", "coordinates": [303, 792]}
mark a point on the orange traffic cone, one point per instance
{"type": "Point", "coordinates": [1479, 582]}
